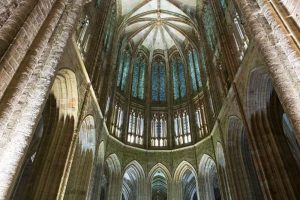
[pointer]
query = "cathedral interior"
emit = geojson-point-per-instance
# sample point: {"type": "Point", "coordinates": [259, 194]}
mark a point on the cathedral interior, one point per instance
{"type": "Point", "coordinates": [150, 99]}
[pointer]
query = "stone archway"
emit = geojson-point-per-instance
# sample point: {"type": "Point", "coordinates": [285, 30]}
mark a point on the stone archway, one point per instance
{"type": "Point", "coordinates": [274, 157]}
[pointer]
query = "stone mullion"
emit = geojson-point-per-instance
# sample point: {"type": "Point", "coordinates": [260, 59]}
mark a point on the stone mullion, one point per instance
{"type": "Point", "coordinates": [128, 92]}
{"type": "Point", "coordinates": [35, 85]}
{"type": "Point", "coordinates": [148, 115]}
{"type": "Point", "coordinates": [191, 114]}
{"type": "Point", "coordinates": [168, 94]}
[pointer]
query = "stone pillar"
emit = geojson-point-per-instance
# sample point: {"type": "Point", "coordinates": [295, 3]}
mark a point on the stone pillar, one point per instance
{"type": "Point", "coordinates": [19, 109]}
{"type": "Point", "coordinates": [280, 53]}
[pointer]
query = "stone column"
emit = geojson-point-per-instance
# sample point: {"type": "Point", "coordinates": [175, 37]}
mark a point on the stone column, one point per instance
{"type": "Point", "coordinates": [20, 108]}
{"type": "Point", "coordinates": [280, 53]}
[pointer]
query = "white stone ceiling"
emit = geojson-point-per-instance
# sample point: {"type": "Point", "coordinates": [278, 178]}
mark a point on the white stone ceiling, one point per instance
{"type": "Point", "coordinates": [157, 24]}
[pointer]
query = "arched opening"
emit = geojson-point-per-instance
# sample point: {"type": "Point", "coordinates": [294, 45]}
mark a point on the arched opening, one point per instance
{"type": "Point", "coordinates": [81, 171]}
{"type": "Point", "coordinates": [133, 182]}
{"type": "Point", "coordinates": [208, 176]}
{"type": "Point", "coordinates": [221, 164]}
{"type": "Point", "coordinates": [159, 178]}
{"type": "Point", "coordinates": [277, 151]}
{"type": "Point", "coordinates": [111, 190]}
{"type": "Point", "coordinates": [244, 180]}
{"type": "Point", "coordinates": [185, 179]}
{"type": "Point", "coordinates": [45, 160]}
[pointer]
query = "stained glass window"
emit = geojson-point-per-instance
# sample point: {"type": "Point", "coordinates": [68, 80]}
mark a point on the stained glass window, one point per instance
{"type": "Point", "coordinates": [124, 63]}
{"type": "Point", "coordinates": [138, 79]}
{"type": "Point", "coordinates": [209, 26]}
{"type": "Point", "coordinates": [109, 28]}
{"type": "Point", "coordinates": [158, 81]}
{"type": "Point", "coordinates": [194, 70]}
{"type": "Point", "coordinates": [223, 4]}
{"type": "Point", "coordinates": [179, 89]}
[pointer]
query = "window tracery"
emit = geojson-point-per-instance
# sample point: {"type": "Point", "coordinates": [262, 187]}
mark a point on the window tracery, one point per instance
{"type": "Point", "coordinates": [182, 128]}
{"type": "Point", "coordinates": [159, 130]}
{"type": "Point", "coordinates": [201, 120]}
{"type": "Point", "coordinates": [118, 117]}
{"type": "Point", "coordinates": [83, 37]}
{"type": "Point", "coordinates": [239, 34]}
{"type": "Point", "coordinates": [135, 128]}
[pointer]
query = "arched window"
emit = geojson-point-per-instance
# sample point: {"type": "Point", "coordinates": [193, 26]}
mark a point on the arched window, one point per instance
{"type": "Point", "coordinates": [118, 117]}
{"type": "Point", "coordinates": [179, 89]}
{"type": "Point", "coordinates": [109, 28]}
{"type": "Point", "coordinates": [182, 128]}
{"type": "Point", "coordinates": [223, 4]}
{"type": "Point", "coordinates": [83, 37]}
{"type": "Point", "coordinates": [124, 63]}
{"type": "Point", "coordinates": [135, 128]}
{"type": "Point", "coordinates": [158, 80]}
{"type": "Point", "coordinates": [159, 130]}
{"type": "Point", "coordinates": [201, 120]}
{"type": "Point", "coordinates": [194, 69]}
{"type": "Point", "coordinates": [239, 34]}
{"type": "Point", "coordinates": [138, 79]}
{"type": "Point", "coordinates": [209, 26]}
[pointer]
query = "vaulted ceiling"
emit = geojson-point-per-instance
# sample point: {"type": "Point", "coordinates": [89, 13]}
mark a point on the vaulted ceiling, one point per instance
{"type": "Point", "coordinates": [158, 24]}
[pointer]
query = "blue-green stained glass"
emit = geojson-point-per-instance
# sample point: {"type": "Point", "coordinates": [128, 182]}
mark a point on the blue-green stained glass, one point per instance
{"type": "Point", "coordinates": [175, 81]}
{"type": "Point", "coordinates": [125, 71]}
{"type": "Point", "coordinates": [192, 71]}
{"type": "Point", "coordinates": [209, 25]}
{"type": "Point", "coordinates": [135, 79]}
{"type": "Point", "coordinates": [155, 83]}
{"type": "Point", "coordinates": [109, 28]}
{"type": "Point", "coordinates": [162, 74]}
{"type": "Point", "coordinates": [197, 68]}
{"type": "Point", "coordinates": [181, 78]}
{"type": "Point", "coordinates": [223, 4]}
{"type": "Point", "coordinates": [121, 61]}
{"type": "Point", "coordinates": [141, 88]}
{"type": "Point", "coordinates": [203, 63]}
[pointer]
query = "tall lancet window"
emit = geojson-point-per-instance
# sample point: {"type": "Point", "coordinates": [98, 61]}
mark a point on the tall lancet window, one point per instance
{"type": "Point", "coordinates": [179, 89]}
{"type": "Point", "coordinates": [124, 63]}
{"type": "Point", "coordinates": [109, 27]}
{"type": "Point", "coordinates": [201, 120]}
{"type": "Point", "coordinates": [209, 26]}
{"type": "Point", "coordinates": [182, 128]}
{"type": "Point", "coordinates": [138, 79]}
{"type": "Point", "coordinates": [83, 37]}
{"type": "Point", "coordinates": [194, 69]}
{"type": "Point", "coordinates": [223, 4]}
{"type": "Point", "coordinates": [158, 80]}
{"type": "Point", "coordinates": [239, 35]}
{"type": "Point", "coordinates": [118, 117]}
{"type": "Point", "coordinates": [159, 130]}
{"type": "Point", "coordinates": [135, 128]}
